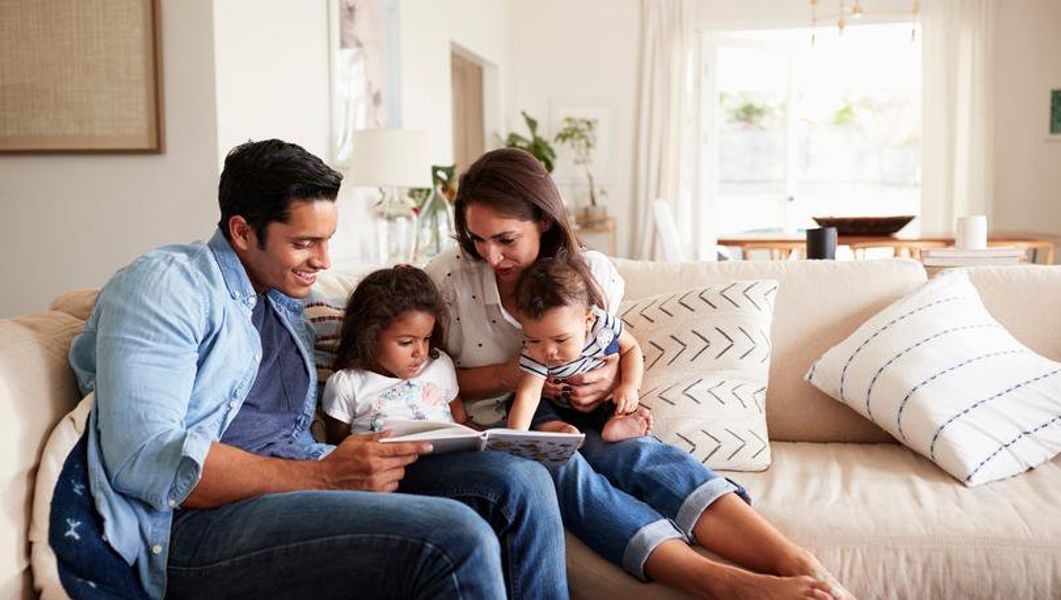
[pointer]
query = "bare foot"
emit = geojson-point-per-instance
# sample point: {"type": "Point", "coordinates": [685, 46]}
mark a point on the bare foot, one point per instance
{"type": "Point", "coordinates": [752, 586]}
{"type": "Point", "coordinates": [557, 427]}
{"type": "Point", "coordinates": [807, 564]}
{"type": "Point", "coordinates": [624, 427]}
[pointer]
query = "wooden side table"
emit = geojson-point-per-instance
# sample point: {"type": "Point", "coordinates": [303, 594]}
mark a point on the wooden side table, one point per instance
{"type": "Point", "coordinates": [605, 228]}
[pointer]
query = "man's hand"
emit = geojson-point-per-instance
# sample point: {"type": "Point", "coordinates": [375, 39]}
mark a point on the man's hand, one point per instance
{"type": "Point", "coordinates": [587, 391]}
{"type": "Point", "coordinates": [362, 462]}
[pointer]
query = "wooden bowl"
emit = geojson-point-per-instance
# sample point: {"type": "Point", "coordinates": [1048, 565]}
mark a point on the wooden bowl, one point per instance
{"type": "Point", "coordinates": [865, 225]}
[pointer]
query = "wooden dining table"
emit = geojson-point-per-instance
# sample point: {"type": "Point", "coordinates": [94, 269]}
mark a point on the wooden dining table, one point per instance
{"type": "Point", "coordinates": [1039, 247]}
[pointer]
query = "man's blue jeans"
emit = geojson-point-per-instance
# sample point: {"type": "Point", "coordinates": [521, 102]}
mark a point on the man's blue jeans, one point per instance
{"type": "Point", "coordinates": [495, 530]}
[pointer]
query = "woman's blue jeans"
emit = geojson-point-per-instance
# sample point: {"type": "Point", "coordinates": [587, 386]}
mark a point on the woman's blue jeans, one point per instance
{"type": "Point", "coordinates": [493, 530]}
{"type": "Point", "coordinates": [624, 499]}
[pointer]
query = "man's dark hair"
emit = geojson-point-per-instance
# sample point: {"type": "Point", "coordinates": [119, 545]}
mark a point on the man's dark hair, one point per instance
{"type": "Point", "coordinates": [261, 179]}
{"type": "Point", "coordinates": [375, 303]}
{"type": "Point", "coordinates": [555, 281]}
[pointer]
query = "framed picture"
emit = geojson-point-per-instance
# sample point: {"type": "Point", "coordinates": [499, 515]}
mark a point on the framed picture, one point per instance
{"type": "Point", "coordinates": [1054, 132]}
{"type": "Point", "coordinates": [80, 76]}
{"type": "Point", "coordinates": [365, 70]}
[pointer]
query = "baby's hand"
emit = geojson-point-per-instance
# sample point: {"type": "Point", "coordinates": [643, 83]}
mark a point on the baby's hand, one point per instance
{"type": "Point", "coordinates": [626, 399]}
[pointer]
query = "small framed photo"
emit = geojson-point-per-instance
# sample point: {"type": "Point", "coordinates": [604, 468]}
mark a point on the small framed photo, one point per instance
{"type": "Point", "coordinates": [1054, 132]}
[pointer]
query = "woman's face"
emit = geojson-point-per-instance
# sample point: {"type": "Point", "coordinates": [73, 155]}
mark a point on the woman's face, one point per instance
{"type": "Point", "coordinates": [507, 244]}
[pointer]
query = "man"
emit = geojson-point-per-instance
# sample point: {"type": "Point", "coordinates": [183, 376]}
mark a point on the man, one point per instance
{"type": "Point", "coordinates": [199, 455]}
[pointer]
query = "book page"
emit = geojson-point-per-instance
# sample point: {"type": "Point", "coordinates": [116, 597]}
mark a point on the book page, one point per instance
{"type": "Point", "coordinates": [445, 437]}
{"type": "Point", "coordinates": [549, 448]}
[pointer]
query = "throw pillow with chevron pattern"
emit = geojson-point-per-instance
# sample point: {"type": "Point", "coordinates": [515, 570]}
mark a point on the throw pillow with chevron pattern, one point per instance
{"type": "Point", "coordinates": [707, 360]}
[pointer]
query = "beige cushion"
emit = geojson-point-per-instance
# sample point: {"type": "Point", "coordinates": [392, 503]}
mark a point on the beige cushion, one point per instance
{"type": "Point", "coordinates": [707, 358]}
{"type": "Point", "coordinates": [890, 524]}
{"type": "Point", "coordinates": [37, 387]}
{"type": "Point", "coordinates": [77, 303]}
{"type": "Point", "coordinates": [819, 303]}
{"type": "Point", "coordinates": [1025, 300]}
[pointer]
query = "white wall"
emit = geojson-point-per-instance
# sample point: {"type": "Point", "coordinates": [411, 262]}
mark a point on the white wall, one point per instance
{"type": "Point", "coordinates": [71, 221]}
{"type": "Point", "coordinates": [581, 51]}
{"type": "Point", "coordinates": [272, 67]}
{"type": "Point", "coordinates": [1027, 65]}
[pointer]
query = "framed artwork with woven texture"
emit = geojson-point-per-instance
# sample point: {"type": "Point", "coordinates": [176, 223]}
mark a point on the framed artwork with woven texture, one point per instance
{"type": "Point", "coordinates": [80, 76]}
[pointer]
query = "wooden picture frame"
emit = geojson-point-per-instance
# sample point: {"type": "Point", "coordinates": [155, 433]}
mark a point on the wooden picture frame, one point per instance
{"type": "Point", "coordinates": [81, 76]}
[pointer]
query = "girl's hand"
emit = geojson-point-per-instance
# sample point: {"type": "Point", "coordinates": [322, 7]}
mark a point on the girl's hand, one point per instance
{"type": "Point", "coordinates": [587, 391]}
{"type": "Point", "coordinates": [626, 399]}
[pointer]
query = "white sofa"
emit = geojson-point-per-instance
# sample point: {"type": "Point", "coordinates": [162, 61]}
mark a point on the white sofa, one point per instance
{"type": "Point", "coordinates": [888, 522]}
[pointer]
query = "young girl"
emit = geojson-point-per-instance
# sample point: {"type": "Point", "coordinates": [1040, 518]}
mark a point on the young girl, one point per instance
{"type": "Point", "coordinates": [566, 333]}
{"type": "Point", "coordinates": [388, 364]}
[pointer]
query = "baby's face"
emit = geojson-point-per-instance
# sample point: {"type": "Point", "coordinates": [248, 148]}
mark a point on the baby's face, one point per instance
{"type": "Point", "coordinates": [559, 336]}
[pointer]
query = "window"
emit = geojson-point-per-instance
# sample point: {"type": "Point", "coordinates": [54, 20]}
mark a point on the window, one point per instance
{"type": "Point", "coordinates": [794, 131]}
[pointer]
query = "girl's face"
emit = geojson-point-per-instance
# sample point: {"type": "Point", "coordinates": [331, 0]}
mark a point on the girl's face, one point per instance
{"type": "Point", "coordinates": [507, 244]}
{"type": "Point", "coordinates": [559, 336]}
{"type": "Point", "coordinates": [405, 345]}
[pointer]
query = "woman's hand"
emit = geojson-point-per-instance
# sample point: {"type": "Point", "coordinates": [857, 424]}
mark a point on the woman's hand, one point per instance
{"type": "Point", "coordinates": [587, 391]}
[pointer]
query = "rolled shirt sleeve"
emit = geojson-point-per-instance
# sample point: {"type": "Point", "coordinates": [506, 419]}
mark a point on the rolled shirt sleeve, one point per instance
{"type": "Point", "coordinates": [147, 340]}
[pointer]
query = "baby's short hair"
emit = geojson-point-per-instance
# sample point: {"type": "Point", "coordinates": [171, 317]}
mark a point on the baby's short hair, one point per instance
{"type": "Point", "coordinates": [552, 282]}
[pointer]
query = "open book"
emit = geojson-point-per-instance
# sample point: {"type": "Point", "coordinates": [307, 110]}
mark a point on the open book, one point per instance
{"type": "Point", "coordinates": [551, 449]}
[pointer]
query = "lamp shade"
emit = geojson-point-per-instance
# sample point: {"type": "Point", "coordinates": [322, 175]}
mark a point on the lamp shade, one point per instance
{"type": "Point", "coordinates": [389, 158]}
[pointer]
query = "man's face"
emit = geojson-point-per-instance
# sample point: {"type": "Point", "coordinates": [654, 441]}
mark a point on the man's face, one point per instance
{"type": "Point", "coordinates": [293, 251]}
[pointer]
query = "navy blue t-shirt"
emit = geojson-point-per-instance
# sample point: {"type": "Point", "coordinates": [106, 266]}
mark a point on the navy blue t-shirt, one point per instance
{"type": "Point", "coordinates": [265, 422]}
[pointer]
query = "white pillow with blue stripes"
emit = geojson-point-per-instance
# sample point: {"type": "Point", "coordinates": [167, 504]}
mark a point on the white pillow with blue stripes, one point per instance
{"type": "Point", "coordinates": [939, 373]}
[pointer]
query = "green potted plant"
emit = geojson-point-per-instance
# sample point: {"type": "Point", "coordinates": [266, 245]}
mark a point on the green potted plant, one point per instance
{"type": "Point", "coordinates": [536, 145]}
{"type": "Point", "coordinates": [581, 136]}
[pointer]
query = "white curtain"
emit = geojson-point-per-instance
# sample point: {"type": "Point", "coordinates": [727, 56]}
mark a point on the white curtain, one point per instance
{"type": "Point", "coordinates": [957, 132]}
{"type": "Point", "coordinates": [666, 43]}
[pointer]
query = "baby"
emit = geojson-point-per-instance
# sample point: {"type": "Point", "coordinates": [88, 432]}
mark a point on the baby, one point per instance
{"type": "Point", "coordinates": [565, 333]}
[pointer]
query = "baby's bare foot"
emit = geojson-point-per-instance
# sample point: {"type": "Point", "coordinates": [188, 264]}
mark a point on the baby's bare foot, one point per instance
{"type": "Point", "coordinates": [624, 427]}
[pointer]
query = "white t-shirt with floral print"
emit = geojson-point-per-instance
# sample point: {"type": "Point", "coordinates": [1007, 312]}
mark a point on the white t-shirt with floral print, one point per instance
{"type": "Point", "coordinates": [480, 332]}
{"type": "Point", "coordinates": [365, 399]}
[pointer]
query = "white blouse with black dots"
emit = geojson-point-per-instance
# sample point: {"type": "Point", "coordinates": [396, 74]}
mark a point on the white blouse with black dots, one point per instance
{"type": "Point", "coordinates": [480, 332]}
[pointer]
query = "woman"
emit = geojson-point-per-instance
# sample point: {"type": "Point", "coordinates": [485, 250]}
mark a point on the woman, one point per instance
{"type": "Point", "coordinates": [508, 214]}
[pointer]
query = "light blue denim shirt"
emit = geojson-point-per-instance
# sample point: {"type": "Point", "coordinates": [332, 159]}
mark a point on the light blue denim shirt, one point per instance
{"type": "Point", "coordinates": [170, 352]}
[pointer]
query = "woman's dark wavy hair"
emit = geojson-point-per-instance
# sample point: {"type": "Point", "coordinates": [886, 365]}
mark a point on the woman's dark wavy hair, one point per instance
{"type": "Point", "coordinates": [513, 183]}
{"type": "Point", "coordinates": [375, 303]}
{"type": "Point", "coordinates": [553, 282]}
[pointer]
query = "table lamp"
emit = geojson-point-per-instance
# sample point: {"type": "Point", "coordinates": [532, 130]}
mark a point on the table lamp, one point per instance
{"type": "Point", "coordinates": [390, 159]}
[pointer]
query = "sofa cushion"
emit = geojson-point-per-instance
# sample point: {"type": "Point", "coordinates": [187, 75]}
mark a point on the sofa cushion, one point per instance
{"type": "Point", "coordinates": [889, 524]}
{"type": "Point", "coordinates": [707, 358]}
{"type": "Point", "coordinates": [37, 387]}
{"type": "Point", "coordinates": [818, 304]}
{"type": "Point", "coordinates": [939, 373]}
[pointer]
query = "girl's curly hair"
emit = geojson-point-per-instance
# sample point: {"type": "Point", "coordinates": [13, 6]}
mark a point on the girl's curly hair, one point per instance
{"type": "Point", "coordinates": [376, 302]}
